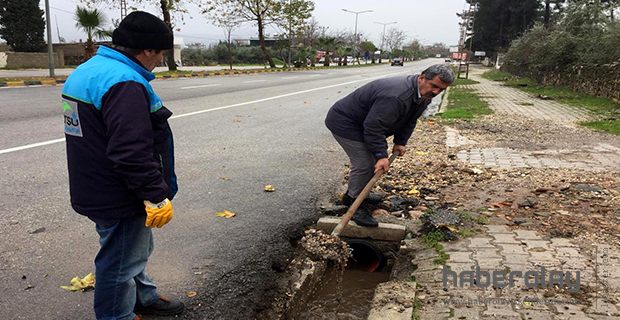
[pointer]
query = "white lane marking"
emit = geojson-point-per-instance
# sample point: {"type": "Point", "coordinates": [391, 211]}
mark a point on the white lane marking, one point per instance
{"type": "Point", "coordinates": [34, 145]}
{"type": "Point", "coordinates": [254, 81]}
{"type": "Point", "coordinates": [314, 75]}
{"type": "Point", "coordinates": [286, 78]}
{"type": "Point", "coordinates": [44, 143]}
{"type": "Point", "coordinates": [202, 86]}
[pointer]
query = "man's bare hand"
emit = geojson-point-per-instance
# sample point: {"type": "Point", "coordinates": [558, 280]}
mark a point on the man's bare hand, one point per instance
{"type": "Point", "coordinates": [400, 149]}
{"type": "Point", "coordinates": [382, 163]}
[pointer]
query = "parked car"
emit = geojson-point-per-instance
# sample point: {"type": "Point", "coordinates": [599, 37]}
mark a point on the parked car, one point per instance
{"type": "Point", "coordinates": [397, 62]}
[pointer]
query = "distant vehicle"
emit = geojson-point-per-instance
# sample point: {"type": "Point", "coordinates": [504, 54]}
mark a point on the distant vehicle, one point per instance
{"type": "Point", "coordinates": [448, 60]}
{"type": "Point", "coordinates": [397, 62]}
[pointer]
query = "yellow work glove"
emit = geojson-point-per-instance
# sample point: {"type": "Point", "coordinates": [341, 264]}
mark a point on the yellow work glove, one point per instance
{"type": "Point", "coordinates": [158, 214]}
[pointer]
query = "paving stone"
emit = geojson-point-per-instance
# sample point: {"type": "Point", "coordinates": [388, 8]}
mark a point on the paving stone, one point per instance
{"type": "Point", "coordinates": [460, 267]}
{"type": "Point", "coordinates": [570, 312]}
{"type": "Point", "coordinates": [494, 229]}
{"type": "Point", "coordinates": [535, 314]}
{"type": "Point", "coordinates": [482, 253]}
{"type": "Point", "coordinates": [531, 244]}
{"type": "Point", "coordinates": [480, 243]}
{"type": "Point", "coordinates": [504, 238]}
{"type": "Point", "coordinates": [527, 235]}
{"type": "Point", "coordinates": [460, 257]}
{"type": "Point", "coordinates": [490, 264]}
{"type": "Point", "coordinates": [467, 313]}
{"type": "Point", "coordinates": [456, 246]}
{"type": "Point", "coordinates": [512, 249]}
{"type": "Point", "coordinates": [544, 259]}
{"type": "Point", "coordinates": [500, 311]}
{"type": "Point", "coordinates": [601, 307]}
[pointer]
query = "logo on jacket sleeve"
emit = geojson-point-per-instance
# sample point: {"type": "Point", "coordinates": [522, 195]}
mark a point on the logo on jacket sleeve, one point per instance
{"type": "Point", "coordinates": [73, 127]}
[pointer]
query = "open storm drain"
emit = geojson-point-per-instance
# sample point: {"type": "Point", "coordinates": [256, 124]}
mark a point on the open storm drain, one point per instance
{"type": "Point", "coordinates": [319, 289]}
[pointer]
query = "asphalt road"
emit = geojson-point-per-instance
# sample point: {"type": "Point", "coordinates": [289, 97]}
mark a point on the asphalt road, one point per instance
{"type": "Point", "coordinates": [233, 135]}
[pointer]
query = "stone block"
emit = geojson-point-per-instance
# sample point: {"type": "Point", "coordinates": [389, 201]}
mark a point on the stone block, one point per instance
{"type": "Point", "coordinates": [384, 232]}
{"type": "Point", "coordinates": [493, 229]}
{"type": "Point", "coordinates": [527, 235]}
{"type": "Point", "coordinates": [504, 238]}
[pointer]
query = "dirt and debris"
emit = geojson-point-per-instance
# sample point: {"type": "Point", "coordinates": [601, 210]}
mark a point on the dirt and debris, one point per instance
{"type": "Point", "coordinates": [326, 247]}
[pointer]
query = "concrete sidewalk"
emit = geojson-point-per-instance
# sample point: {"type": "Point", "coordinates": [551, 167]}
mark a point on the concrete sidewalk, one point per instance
{"type": "Point", "coordinates": [554, 278]}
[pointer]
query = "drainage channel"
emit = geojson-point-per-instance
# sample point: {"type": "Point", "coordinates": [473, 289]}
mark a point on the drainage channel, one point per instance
{"type": "Point", "coordinates": [314, 290]}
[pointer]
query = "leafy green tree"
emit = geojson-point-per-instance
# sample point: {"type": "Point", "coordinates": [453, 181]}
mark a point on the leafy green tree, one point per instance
{"type": "Point", "coordinates": [263, 13]}
{"type": "Point", "coordinates": [498, 22]}
{"type": "Point", "coordinates": [22, 25]}
{"type": "Point", "coordinates": [168, 7]}
{"type": "Point", "coordinates": [368, 46]}
{"type": "Point", "coordinates": [91, 22]}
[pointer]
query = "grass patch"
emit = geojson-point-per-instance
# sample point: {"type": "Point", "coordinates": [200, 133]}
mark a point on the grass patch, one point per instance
{"type": "Point", "coordinates": [462, 82]}
{"type": "Point", "coordinates": [173, 73]}
{"type": "Point", "coordinates": [431, 240]}
{"type": "Point", "coordinates": [496, 75]}
{"type": "Point", "coordinates": [477, 218]}
{"type": "Point", "coordinates": [609, 126]}
{"type": "Point", "coordinates": [603, 107]}
{"type": "Point", "coordinates": [417, 307]}
{"type": "Point", "coordinates": [464, 104]}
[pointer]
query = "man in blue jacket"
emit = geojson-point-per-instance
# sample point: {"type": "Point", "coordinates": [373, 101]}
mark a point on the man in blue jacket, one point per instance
{"type": "Point", "coordinates": [362, 121]}
{"type": "Point", "coordinates": [121, 163]}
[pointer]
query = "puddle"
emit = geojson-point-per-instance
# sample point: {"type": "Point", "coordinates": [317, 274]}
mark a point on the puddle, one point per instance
{"type": "Point", "coordinates": [347, 295]}
{"type": "Point", "coordinates": [349, 300]}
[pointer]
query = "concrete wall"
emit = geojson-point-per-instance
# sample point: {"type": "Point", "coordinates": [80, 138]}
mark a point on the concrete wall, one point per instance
{"type": "Point", "coordinates": [16, 60]}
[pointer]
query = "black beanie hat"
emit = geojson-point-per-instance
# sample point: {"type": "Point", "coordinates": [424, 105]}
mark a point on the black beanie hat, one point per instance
{"type": "Point", "coordinates": [142, 30]}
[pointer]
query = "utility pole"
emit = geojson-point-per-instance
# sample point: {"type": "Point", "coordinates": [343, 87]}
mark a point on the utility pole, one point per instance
{"type": "Point", "coordinates": [123, 9]}
{"type": "Point", "coordinates": [50, 49]}
{"type": "Point", "coordinates": [357, 13]}
{"type": "Point", "coordinates": [383, 36]}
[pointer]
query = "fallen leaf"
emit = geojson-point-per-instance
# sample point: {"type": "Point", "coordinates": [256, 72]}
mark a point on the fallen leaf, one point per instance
{"type": "Point", "coordinates": [191, 294]}
{"type": "Point", "coordinates": [269, 188]}
{"type": "Point", "coordinates": [421, 153]}
{"type": "Point", "coordinates": [83, 284]}
{"type": "Point", "coordinates": [225, 214]}
{"type": "Point", "coordinates": [413, 192]}
{"type": "Point", "coordinates": [224, 178]}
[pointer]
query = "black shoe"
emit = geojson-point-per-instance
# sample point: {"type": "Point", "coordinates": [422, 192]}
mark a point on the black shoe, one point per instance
{"type": "Point", "coordinates": [363, 218]}
{"type": "Point", "coordinates": [162, 307]}
{"type": "Point", "coordinates": [372, 198]}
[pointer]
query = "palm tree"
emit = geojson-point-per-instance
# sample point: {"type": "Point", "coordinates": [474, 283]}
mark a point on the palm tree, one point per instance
{"type": "Point", "coordinates": [91, 21]}
{"type": "Point", "coordinates": [328, 44]}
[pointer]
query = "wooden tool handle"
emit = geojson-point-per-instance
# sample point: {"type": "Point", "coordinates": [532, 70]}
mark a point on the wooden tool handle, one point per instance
{"type": "Point", "coordinates": [360, 198]}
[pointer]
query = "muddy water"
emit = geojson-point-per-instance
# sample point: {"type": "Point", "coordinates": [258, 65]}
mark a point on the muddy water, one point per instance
{"type": "Point", "coordinates": [351, 299]}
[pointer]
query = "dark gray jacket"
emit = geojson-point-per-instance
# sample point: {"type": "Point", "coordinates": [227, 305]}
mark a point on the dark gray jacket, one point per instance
{"type": "Point", "coordinates": [378, 110]}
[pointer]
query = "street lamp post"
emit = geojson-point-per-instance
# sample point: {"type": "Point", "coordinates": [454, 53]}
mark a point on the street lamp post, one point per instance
{"type": "Point", "coordinates": [355, 32]}
{"type": "Point", "coordinates": [50, 50]}
{"type": "Point", "coordinates": [383, 36]}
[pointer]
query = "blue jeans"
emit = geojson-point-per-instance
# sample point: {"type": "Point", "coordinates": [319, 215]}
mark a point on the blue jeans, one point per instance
{"type": "Point", "coordinates": [122, 282]}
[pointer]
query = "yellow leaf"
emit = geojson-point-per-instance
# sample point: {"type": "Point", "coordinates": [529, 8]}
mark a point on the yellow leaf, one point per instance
{"type": "Point", "coordinates": [413, 192]}
{"type": "Point", "coordinates": [225, 214]}
{"type": "Point", "coordinates": [86, 283]}
{"type": "Point", "coordinates": [421, 153]}
{"type": "Point", "coordinates": [191, 294]}
{"type": "Point", "coordinates": [269, 188]}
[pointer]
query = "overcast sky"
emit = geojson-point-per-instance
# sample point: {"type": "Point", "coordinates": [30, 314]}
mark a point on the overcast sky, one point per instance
{"type": "Point", "coordinates": [429, 21]}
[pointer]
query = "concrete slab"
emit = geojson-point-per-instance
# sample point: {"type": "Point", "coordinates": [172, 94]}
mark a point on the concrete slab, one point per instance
{"type": "Point", "coordinates": [385, 231]}
{"type": "Point", "coordinates": [393, 300]}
